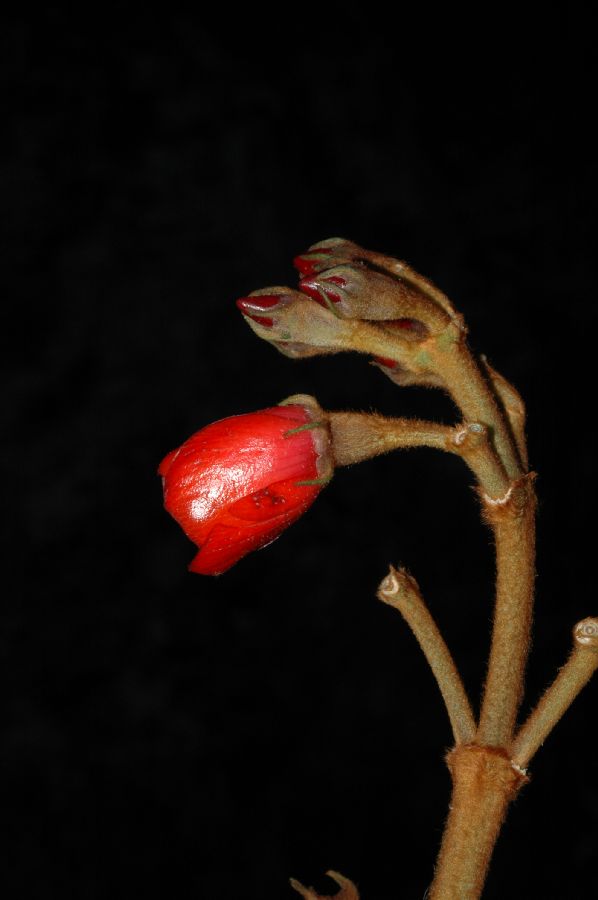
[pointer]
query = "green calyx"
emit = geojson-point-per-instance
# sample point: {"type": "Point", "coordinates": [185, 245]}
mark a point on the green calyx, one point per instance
{"type": "Point", "coordinates": [323, 481]}
{"type": "Point", "coordinates": [307, 427]}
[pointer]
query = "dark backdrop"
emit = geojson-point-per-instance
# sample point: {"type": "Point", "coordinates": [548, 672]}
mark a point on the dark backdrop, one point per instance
{"type": "Point", "coordinates": [172, 735]}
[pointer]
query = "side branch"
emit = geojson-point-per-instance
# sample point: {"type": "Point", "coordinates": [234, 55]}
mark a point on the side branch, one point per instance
{"type": "Point", "coordinates": [453, 361]}
{"type": "Point", "coordinates": [360, 436]}
{"type": "Point", "coordinates": [400, 590]}
{"type": "Point", "coordinates": [513, 406]}
{"type": "Point", "coordinates": [574, 675]}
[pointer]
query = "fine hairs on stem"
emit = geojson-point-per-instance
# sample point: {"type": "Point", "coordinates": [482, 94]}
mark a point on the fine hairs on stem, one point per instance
{"type": "Point", "coordinates": [354, 299]}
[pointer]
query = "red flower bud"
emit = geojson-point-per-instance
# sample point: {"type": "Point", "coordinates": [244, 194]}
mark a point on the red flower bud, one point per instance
{"type": "Point", "coordinates": [237, 484]}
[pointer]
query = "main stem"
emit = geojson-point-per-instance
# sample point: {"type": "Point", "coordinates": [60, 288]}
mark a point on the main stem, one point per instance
{"type": "Point", "coordinates": [484, 783]}
{"type": "Point", "coordinates": [484, 779]}
{"type": "Point", "coordinates": [513, 522]}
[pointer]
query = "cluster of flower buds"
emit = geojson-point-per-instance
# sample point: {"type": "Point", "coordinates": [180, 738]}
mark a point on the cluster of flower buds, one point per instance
{"type": "Point", "coordinates": [349, 298]}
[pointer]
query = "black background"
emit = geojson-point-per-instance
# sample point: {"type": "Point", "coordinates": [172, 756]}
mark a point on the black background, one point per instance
{"type": "Point", "coordinates": [172, 735]}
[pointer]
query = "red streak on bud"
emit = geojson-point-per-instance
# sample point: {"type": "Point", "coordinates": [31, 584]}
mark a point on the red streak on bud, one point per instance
{"type": "Point", "coordinates": [266, 321]}
{"type": "Point", "coordinates": [248, 308]}
{"type": "Point", "coordinates": [336, 279]}
{"type": "Point", "coordinates": [312, 290]}
{"type": "Point", "coordinates": [384, 361]}
{"type": "Point", "coordinates": [259, 302]}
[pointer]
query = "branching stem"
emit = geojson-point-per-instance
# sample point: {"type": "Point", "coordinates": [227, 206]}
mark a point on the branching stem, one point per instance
{"type": "Point", "coordinates": [488, 761]}
{"type": "Point", "coordinates": [360, 436]}
{"type": "Point", "coordinates": [453, 361]}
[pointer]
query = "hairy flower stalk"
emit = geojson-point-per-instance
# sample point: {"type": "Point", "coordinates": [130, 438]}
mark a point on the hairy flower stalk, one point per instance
{"type": "Point", "coordinates": [353, 299]}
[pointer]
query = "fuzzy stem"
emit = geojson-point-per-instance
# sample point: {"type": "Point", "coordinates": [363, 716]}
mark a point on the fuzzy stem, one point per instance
{"type": "Point", "coordinates": [472, 442]}
{"type": "Point", "coordinates": [360, 436]}
{"type": "Point", "coordinates": [513, 406]}
{"type": "Point", "coordinates": [398, 589]}
{"type": "Point", "coordinates": [512, 520]}
{"type": "Point", "coordinates": [484, 783]}
{"type": "Point", "coordinates": [557, 699]}
{"type": "Point", "coordinates": [447, 357]}
{"type": "Point", "coordinates": [453, 361]}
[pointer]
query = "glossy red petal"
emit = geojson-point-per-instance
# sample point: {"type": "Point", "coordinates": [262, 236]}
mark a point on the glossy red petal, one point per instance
{"type": "Point", "coordinates": [233, 486]}
{"type": "Point", "coordinates": [226, 545]}
{"type": "Point", "coordinates": [252, 524]}
{"type": "Point", "coordinates": [279, 501]}
{"type": "Point", "coordinates": [167, 462]}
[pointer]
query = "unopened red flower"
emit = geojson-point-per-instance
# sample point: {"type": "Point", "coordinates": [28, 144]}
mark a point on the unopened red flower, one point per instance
{"type": "Point", "coordinates": [237, 484]}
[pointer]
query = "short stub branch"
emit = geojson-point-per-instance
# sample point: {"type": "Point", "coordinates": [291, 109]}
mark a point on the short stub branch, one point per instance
{"type": "Point", "coordinates": [571, 679]}
{"type": "Point", "coordinates": [400, 590]}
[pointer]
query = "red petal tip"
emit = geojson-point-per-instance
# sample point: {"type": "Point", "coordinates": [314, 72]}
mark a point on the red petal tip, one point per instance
{"type": "Point", "coordinates": [259, 302]}
{"type": "Point", "coordinates": [304, 266]}
{"type": "Point", "coordinates": [309, 263]}
{"type": "Point", "coordinates": [246, 305]}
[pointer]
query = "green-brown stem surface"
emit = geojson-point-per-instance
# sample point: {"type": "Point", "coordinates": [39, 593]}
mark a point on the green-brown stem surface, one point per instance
{"type": "Point", "coordinates": [360, 436]}
{"type": "Point", "coordinates": [484, 783]}
{"type": "Point", "coordinates": [471, 392]}
{"type": "Point", "coordinates": [574, 676]}
{"type": "Point", "coordinates": [401, 591]}
{"type": "Point", "coordinates": [487, 763]}
{"type": "Point", "coordinates": [513, 523]}
{"type": "Point", "coordinates": [484, 780]}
